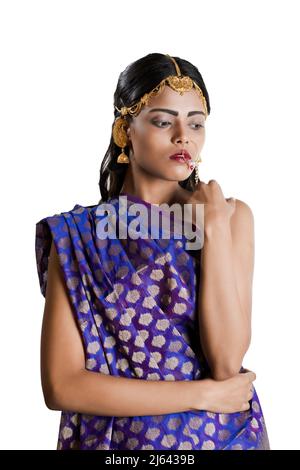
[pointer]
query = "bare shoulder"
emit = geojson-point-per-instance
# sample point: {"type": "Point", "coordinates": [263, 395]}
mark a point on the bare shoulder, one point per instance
{"type": "Point", "coordinates": [242, 210]}
{"type": "Point", "coordinates": [242, 220]}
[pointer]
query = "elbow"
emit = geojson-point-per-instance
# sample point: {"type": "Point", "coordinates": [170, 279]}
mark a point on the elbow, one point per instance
{"type": "Point", "coordinates": [52, 405]}
{"type": "Point", "coordinates": [51, 401]}
{"type": "Point", "coordinates": [230, 366]}
{"type": "Point", "coordinates": [51, 396]}
{"type": "Point", "coordinates": [57, 392]}
{"type": "Point", "coordinates": [225, 370]}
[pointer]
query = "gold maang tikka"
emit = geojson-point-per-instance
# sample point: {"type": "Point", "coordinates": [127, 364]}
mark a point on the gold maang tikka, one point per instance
{"type": "Point", "coordinates": [178, 83]}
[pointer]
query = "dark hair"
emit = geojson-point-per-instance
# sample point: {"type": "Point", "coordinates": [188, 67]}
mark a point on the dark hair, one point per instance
{"type": "Point", "coordinates": [138, 78]}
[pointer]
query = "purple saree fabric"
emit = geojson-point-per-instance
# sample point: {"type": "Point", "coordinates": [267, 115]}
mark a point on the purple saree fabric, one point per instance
{"type": "Point", "coordinates": [135, 302]}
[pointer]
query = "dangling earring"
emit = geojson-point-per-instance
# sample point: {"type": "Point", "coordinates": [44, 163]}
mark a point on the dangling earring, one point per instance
{"type": "Point", "coordinates": [198, 160]}
{"type": "Point", "coordinates": [120, 138]}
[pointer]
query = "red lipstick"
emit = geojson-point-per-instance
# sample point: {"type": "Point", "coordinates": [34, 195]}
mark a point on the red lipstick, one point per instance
{"type": "Point", "coordinates": [183, 156]}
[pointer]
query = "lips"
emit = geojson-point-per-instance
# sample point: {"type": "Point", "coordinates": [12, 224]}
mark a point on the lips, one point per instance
{"type": "Point", "coordinates": [182, 155]}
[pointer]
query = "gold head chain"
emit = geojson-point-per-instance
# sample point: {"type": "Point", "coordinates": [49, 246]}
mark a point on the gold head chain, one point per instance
{"type": "Point", "coordinates": [178, 83]}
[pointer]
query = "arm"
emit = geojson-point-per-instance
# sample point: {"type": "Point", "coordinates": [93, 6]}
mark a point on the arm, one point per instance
{"type": "Point", "coordinates": [225, 293]}
{"type": "Point", "coordinates": [67, 385]}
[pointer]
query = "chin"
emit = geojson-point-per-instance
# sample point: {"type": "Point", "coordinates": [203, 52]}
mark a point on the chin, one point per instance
{"type": "Point", "coordinates": [172, 176]}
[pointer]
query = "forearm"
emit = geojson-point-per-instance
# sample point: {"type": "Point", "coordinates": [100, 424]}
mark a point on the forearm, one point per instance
{"type": "Point", "coordinates": [222, 322]}
{"type": "Point", "coordinates": [98, 394]}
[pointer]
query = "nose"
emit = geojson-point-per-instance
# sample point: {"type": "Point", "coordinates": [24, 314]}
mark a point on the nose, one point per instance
{"type": "Point", "coordinates": [180, 136]}
{"type": "Point", "coordinates": [183, 140]}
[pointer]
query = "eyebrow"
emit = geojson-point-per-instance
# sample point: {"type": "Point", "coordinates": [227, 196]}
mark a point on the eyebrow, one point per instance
{"type": "Point", "coordinates": [175, 113]}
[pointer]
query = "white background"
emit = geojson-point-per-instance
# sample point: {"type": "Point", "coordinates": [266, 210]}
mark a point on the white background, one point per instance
{"type": "Point", "coordinates": [60, 61]}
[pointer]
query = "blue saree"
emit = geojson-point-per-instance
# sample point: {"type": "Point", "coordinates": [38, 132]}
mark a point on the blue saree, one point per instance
{"type": "Point", "coordinates": [135, 303]}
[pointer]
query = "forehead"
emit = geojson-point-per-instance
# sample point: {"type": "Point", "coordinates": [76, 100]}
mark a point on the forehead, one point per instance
{"type": "Point", "coordinates": [168, 98]}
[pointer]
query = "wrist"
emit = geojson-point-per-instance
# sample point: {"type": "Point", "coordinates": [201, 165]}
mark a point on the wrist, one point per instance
{"type": "Point", "coordinates": [217, 227]}
{"type": "Point", "coordinates": [200, 394]}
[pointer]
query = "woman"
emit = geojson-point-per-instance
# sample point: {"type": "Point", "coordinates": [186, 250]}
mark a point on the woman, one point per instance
{"type": "Point", "coordinates": [143, 337]}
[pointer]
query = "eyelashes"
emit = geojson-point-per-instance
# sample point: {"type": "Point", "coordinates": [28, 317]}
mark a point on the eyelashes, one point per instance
{"type": "Point", "coordinates": [168, 122]}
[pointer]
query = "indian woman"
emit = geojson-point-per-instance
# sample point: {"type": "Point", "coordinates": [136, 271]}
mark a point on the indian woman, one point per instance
{"type": "Point", "coordinates": [144, 334]}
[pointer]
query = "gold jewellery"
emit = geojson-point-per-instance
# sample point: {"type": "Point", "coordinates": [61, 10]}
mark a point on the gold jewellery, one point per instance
{"type": "Point", "coordinates": [198, 160]}
{"type": "Point", "coordinates": [178, 83]}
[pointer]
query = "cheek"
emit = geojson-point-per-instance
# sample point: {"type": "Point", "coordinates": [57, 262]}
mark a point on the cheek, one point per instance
{"type": "Point", "coordinates": [146, 138]}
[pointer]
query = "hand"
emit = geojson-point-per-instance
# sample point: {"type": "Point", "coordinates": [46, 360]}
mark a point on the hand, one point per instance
{"type": "Point", "coordinates": [229, 396]}
{"type": "Point", "coordinates": [216, 207]}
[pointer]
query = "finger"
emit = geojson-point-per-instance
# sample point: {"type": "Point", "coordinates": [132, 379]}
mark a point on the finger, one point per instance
{"type": "Point", "coordinates": [248, 373]}
{"type": "Point", "coordinates": [246, 406]}
{"type": "Point", "coordinates": [216, 187]}
{"type": "Point", "coordinates": [198, 185]}
{"type": "Point", "coordinates": [252, 376]}
{"type": "Point", "coordinates": [231, 202]}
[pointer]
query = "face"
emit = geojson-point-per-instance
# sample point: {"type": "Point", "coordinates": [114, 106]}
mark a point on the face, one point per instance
{"type": "Point", "coordinates": [156, 135]}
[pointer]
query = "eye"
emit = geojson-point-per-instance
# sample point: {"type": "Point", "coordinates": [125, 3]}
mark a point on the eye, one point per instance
{"type": "Point", "coordinates": [156, 122]}
{"type": "Point", "coordinates": [199, 125]}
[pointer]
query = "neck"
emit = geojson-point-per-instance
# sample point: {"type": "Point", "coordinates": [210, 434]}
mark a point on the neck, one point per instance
{"type": "Point", "coordinates": [150, 188]}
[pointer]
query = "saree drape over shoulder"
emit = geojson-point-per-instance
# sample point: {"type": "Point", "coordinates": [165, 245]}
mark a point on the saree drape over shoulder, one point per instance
{"type": "Point", "coordinates": [135, 304]}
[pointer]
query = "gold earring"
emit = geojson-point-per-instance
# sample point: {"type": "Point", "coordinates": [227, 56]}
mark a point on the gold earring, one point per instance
{"type": "Point", "coordinates": [120, 138]}
{"type": "Point", "coordinates": [198, 160]}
